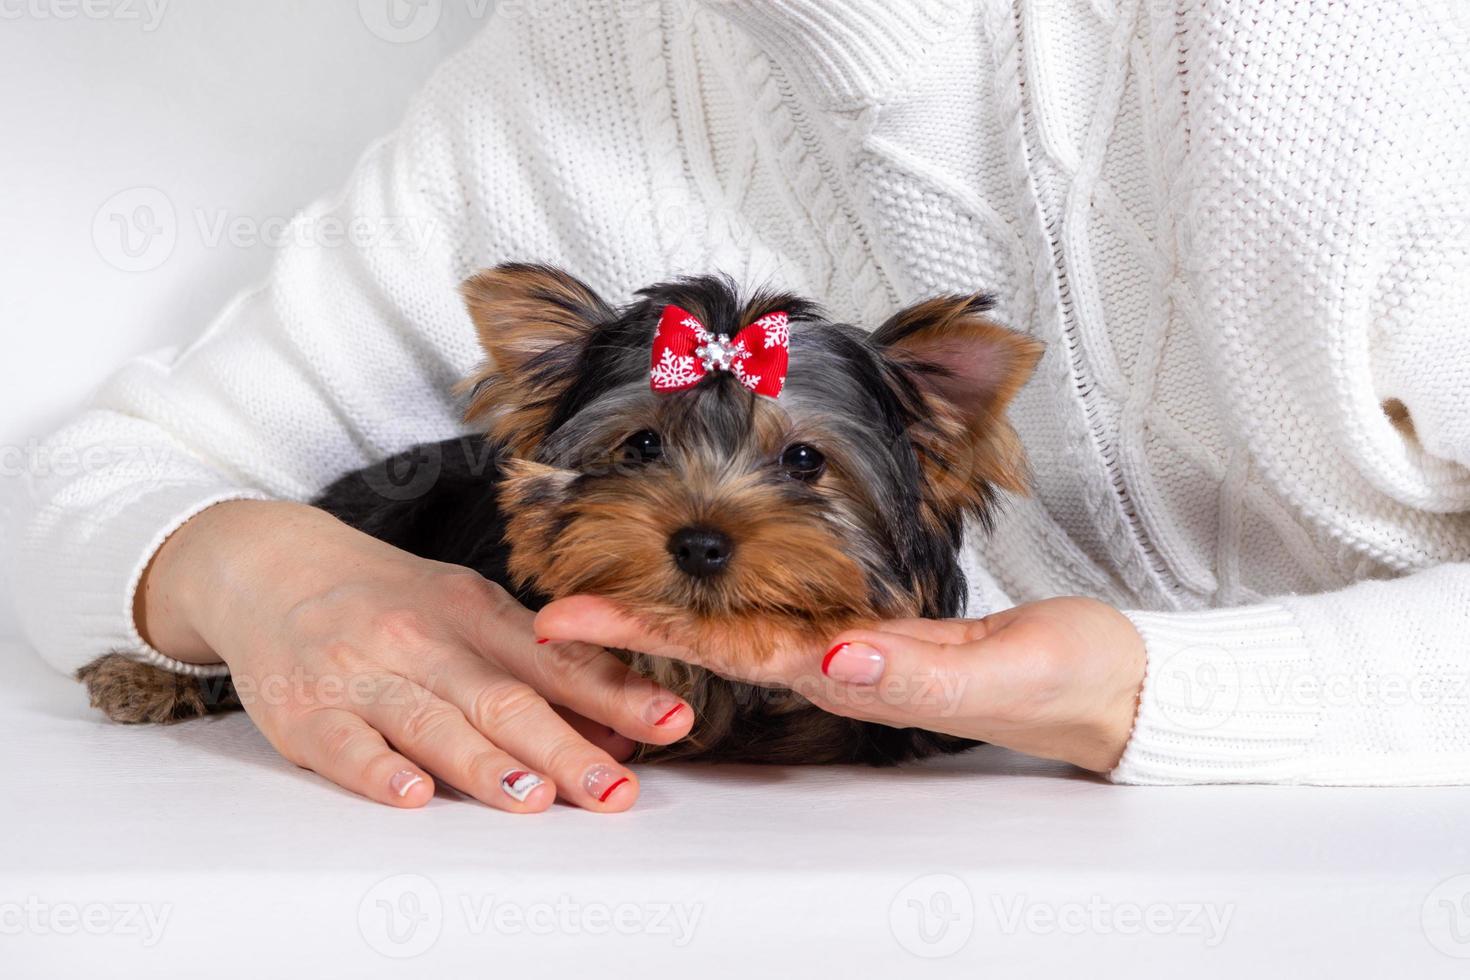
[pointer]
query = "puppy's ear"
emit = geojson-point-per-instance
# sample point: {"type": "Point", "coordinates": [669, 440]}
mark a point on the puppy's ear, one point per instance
{"type": "Point", "coordinates": [533, 323]}
{"type": "Point", "coordinates": [958, 371]}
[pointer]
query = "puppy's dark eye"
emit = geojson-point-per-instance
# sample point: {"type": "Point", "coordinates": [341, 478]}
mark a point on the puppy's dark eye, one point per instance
{"type": "Point", "coordinates": [643, 446]}
{"type": "Point", "coordinates": [802, 462]}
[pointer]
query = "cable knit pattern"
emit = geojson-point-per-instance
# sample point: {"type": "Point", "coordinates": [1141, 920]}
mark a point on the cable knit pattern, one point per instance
{"type": "Point", "coordinates": [1239, 227]}
{"type": "Point", "coordinates": [848, 54]}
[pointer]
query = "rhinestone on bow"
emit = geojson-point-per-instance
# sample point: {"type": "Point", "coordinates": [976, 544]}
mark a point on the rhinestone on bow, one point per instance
{"type": "Point", "coordinates": [720, 353]}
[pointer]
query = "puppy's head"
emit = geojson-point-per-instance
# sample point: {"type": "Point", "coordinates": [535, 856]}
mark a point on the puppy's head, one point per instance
{"type": "Point", "coordinates": [726, 518]}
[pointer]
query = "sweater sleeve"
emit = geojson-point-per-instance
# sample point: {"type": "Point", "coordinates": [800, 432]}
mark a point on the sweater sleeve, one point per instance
{"type": "Point", "coordinates": [352, 348]}
{"type": "Point", "coordinates": [1368, 686]}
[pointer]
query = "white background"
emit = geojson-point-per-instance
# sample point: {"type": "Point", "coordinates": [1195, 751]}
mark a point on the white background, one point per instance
{"type": "Point", "coordinates": [251, 109]}
{"type": "Point", "coordinates": [236, 112]}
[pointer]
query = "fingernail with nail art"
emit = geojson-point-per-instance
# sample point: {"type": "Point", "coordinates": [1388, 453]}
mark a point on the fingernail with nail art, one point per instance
{"type": "Point", "coordinates": [661, 711]}
{"type": "Point", "coordinates": [518, 784]}
{"type": "Point", "coordinates": [403, 781]}
{"type": "Point", "coordinates": [602, 782]}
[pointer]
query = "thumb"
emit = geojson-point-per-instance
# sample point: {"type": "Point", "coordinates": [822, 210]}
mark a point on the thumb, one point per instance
{"type": "Point", "coordinates": [590, 619]}
{"type": "Point", "coordinates": [903, 678]}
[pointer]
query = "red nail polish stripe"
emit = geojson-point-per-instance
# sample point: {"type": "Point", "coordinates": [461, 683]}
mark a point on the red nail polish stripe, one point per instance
{"type": "Point", "coordinates": [827, 660]}
{"type": "Point", "coordinates": [609, 791]}
{"type": "Point", "coordinates": [669, 714]}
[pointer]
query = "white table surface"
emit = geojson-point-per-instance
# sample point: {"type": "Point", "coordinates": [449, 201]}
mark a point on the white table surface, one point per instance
{"type": "Point", "coordinates": [152, 851]}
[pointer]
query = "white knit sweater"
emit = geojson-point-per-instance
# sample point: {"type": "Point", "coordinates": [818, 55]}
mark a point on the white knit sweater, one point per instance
{"type": "Point", "coordinates": [1240, 228]}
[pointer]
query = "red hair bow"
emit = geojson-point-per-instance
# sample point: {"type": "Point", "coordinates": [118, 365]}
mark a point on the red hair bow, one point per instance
{"type": "Point", "coordinates": [684, 351]}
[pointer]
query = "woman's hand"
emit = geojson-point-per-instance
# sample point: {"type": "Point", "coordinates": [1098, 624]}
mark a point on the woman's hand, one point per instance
{"type": "Point", "coordinates": [1058, 678]}
{"type": "Point", "coordinates": [341, 646]}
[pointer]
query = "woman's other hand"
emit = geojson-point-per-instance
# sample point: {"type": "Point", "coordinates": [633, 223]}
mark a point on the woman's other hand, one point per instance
{"type": "Point", "coordinates": [383, 671]}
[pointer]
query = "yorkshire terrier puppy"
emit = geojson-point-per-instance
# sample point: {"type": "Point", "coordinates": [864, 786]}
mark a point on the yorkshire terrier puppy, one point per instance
{"type": "Point", "coordinates": [738, 472]}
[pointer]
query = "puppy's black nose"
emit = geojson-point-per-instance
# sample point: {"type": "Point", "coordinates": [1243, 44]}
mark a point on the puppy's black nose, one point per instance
{"type": "Point", "coordinates": [699, 551]}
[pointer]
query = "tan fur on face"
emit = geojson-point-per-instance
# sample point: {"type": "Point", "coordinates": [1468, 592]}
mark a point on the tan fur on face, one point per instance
{"type": "Point", "coordinates": [789, 586]}
{"type": "Point", "coordinates": [788, 582]}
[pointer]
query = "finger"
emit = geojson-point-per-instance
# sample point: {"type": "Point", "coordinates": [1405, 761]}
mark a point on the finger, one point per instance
{"type": "Point", "coordinates": [596, 684]}
{"type": "Point", "coordinates": [342, 747]}
{"type": "Point", "coordinates": [620, 747]}
{"type": "Point", "coordinates": [582, 676]}
{"type": "Point", "coordinates": [437, 734]}
{"type": "Point", "coordinates": [951, 631]}
{"type": "Point", "coordinates": [589, 619]}
{"type": "Point", "coordinates": [516, 717]}
{"type": "Point", "coordinates": [899, 679]}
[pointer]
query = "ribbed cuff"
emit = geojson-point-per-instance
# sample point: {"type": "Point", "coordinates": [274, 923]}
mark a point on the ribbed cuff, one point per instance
{"type": "Point", "coordinates": [139, 647]}
{"type": "Point", "coordinates": [850, 53]}
{"type": "Point", "coordinates": [1222, 699]}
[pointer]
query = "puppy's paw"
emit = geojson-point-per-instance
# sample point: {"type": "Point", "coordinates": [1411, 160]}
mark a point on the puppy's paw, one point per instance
{"type": "Point", "coordinates": [136, 693]}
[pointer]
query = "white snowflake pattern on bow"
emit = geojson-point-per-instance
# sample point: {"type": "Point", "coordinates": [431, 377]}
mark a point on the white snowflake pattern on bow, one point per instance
{"type": "Point", "coordinates": [674, 371]}
{"type": "Point", "coordinates": [777, 327]}
{"type": "Point", "coordinates": [749, 380]}
{"type": "Point", "coordinates": [700, 334]}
